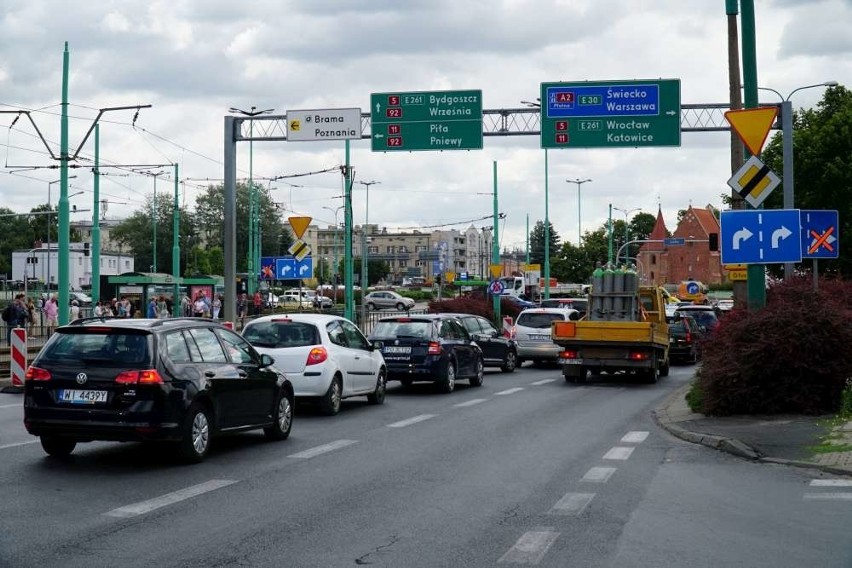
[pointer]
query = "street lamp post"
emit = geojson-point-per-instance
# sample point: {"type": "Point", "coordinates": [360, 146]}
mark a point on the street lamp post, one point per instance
{"type": "Point", "coordinates": [154, 220]}
{"type": "Point", "coordinates": [627, 213]}
{"type": "Point", "coordinates": [334, 268]}
{"type": "Point", "coordinates": [254, 241]}
{"type": "Point", "coordinates": [787, 148]}
{"type": "Point", "coordinates": [579, 183]}
{"type": "Point", "coordinates": [364, 265]}
{"type": "Point", "coordinates": [49, 211]}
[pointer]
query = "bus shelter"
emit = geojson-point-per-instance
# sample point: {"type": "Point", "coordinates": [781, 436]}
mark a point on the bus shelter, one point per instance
{"type": "Point", "coordinates": [139, 288]}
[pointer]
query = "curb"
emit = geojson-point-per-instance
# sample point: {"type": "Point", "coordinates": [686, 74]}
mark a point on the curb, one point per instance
{"type": "Point", "coordinates": [729, 445]}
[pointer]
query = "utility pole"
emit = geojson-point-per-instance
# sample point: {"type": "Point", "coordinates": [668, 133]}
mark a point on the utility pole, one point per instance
{"type": "Point", "coordinates": [154, 214]}
{"type": "Point", "coordinates": [495, 246]}
{"type": "Point", "coordinates": [176, 245]}
{"type": "Point", "coordinates": [96, 222]}
{"type": "Point", "coordinates": [365, 281]}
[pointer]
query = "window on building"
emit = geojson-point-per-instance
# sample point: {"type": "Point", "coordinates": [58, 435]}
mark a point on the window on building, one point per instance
{"type": "Point", "coordinates": [373, 250]}
{"type": "Point", "coordinates": [653, 260]}
{"type": "Point", "coordinates": [652, 276]}
{"type": "Point", "coordinates": [389, 249]}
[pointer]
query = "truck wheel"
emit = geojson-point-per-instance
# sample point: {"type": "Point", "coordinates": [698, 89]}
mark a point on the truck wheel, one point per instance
{"type": "Point", "coordinates": [652, 375]}
{"type": "Point", "coordinates": [664, 370]}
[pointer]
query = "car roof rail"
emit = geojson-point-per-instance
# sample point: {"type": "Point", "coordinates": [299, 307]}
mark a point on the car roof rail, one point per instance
{"type": "Point", "coordinates": [81, 321]}
{"type": "Point", "coordinates": [163, 321]}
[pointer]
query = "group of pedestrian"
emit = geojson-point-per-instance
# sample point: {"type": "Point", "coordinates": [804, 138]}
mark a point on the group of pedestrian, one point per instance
{"type": "Point", "coordinates": [202, 306]}
{"type": "Point", "coordinates": [22, 312]}
{"type": "Point", "coordinates": [158, 308]}
{"type": "Point", "coordinates": [122, 308]}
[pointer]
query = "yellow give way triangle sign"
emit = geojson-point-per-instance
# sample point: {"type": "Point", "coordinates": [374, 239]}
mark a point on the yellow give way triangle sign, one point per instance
{"type": "Point", "coordinates": [299, 225]}
{"type": "Point", "coordinates": [752, 125]}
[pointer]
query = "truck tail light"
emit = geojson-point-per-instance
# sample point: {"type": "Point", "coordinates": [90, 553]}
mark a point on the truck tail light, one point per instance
{"type": "Point", "coordinates": [639, 356]}
{"type": "Point", "coordinates": [568, 354]}
{"type": "Point", "coordinates": [316, 356]}
{"type": "Point", "coordinates": [434, 348]}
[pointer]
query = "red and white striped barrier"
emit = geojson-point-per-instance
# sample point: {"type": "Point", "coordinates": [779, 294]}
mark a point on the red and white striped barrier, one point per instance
{"type": "Point", "coordinates": [507, 326]}
{"type": "Point", "coordinates": [19, 356]}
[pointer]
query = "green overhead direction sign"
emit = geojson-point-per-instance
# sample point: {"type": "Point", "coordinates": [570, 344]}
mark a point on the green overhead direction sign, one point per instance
{"type": "Point", "coordinates": [428, 120]}
{"type": "Point", "coordinates": [610, 114]}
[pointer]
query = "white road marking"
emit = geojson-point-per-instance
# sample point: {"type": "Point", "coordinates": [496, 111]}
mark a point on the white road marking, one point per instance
{"type": "Point", "coordinates": [16, 405]}
{"type": "Point", "coordinates": [410, 421]}
{"type": "Point", "coordinates": [325, 448]}
{"type": "Point", "coordinates": [618, 453]}
{"type": "Point", "coordinates": [829, 496]}
{"type": "Point", "coordinates": [572, 504]}
{"type": "Point", "coordinates": [831, 483]}
{"type": "Point", "coordinates": [143, 507]}
{"type": "Point", "coordinates": [509, 391]}
{"type": "Point", "coordinates": [470, 402]}
{"type": "Point", "coordinates": [16, 444]}
{"type": "Point", "coordinates": [531, 547]}
{"type": "Point", "coordinates": [598, 474]}
{"type": "Point", "coordinates": [543, 382]}
{"type": "Point", "coordinates": [634, 437]}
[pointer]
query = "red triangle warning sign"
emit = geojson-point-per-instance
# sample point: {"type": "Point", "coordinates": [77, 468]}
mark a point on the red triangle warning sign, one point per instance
{"type": "Point", "coordinates": [752, 125]}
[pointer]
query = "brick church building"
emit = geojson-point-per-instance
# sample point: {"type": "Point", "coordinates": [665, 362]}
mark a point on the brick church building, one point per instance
{"type": "Point", "coordinates": [661, 263]}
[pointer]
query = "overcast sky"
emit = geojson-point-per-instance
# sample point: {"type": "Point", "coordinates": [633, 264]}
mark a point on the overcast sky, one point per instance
{"type": "Point", "coordinates": [193, 59]}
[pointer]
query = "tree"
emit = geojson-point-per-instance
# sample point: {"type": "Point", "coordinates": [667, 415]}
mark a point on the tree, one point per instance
{"type": "Point", "coordinates": [537, 242]}
{"type": "Point", "coordinates": [822, 152]}
{"type": "Point", "coordinates": [276, 237]}
{"type": "Point", "coordinates": [572, 264]}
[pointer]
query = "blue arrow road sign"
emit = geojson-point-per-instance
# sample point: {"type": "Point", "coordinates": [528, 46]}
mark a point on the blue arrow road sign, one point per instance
{"type": "Point", "coordinates": [760, 236]}
{"type": "Point", "coordinates": [305, 268]}
{"type": "Point", "coordinates": [285, 268]}
{"type": "Point", "coordinates": [820, 234]}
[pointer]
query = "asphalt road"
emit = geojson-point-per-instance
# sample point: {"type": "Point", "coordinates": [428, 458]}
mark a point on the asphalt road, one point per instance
{"type": "Point", "coordinates": [526, 470]}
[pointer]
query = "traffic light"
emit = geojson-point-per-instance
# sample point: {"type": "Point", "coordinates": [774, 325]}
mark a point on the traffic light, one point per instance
{"type": "Point", "coordinates": [714, 241]}
{"type": "Point", "coordinates": [438, 279]}
{"type": "Point", "coordinates": [85, 249]}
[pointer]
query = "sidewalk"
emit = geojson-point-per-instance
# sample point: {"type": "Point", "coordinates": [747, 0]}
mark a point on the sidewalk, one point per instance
{"type": "Point", "coordinates": [779, 439]}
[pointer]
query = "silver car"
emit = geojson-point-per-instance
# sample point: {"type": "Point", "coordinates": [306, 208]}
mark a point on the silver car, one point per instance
{"type": "Point", "coordinates": [386, 299]}
{"type": "Point", "coordinates": [531, 332]}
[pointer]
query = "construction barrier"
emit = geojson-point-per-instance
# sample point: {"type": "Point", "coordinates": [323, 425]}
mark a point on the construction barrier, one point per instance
{"type": "Point", "coordinates": [228, 324]}
{"type": "Point", "coordinates": [18, 362]}
{"type": "Point", "coordinates": [508, 323]}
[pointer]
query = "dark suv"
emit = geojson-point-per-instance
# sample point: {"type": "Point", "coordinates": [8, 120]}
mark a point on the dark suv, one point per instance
{"type": "Point", "coordinates": [181, 380]}
{"type": "Point", "coordinates": [497, 349]}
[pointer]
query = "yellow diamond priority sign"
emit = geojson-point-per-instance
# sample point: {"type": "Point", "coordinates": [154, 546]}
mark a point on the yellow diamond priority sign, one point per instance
{"type": "Point", "coordinates": [300, 249]}
{"type": "Point", "coordinates": [754, 181]}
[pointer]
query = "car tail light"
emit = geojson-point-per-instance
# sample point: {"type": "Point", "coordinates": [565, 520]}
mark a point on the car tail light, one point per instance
{"type": "Point", "coordinates": [281, 320]}
{"type": "Point", "coordinates": [569, 354]}
{"type": "Point", "coordinates": [688, 336]}
{"type": "Point", "coordinates": [36, 374]}
{"type": "Point", "coordinates": [403, 320]}
{"type": "Point", "coordinates": [317, 355]}
{"type": "Point", "coordinates": [147, 377]}
{"type": "Point", "coordinates": [513, 333]}
{"type": "Point", "coordinates": [638, 356]}
{"type": "Point", "coordinates": [434, 348]}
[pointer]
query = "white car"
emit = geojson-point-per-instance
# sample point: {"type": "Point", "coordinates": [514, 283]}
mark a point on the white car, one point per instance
{"type": "Point", "coordinates": [292, 298]}
{"type": "Point", "coordinates": [531, 332]}
{"type": "Point", "coordinates": [326, 357]}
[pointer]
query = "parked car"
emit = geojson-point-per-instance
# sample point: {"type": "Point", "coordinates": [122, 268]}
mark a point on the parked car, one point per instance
{"type": "Point", "coordinates": [684, 339]}
{"type": "Point", "coordinates": [707, 317]}
{"type": "Point", "coordinates": [497, 349]}
{"type": "Point", "coordinates": [432, 347]}
{"type": "Point", "coordinates": [294, 299]}
{"type": "Point", "coordinates": [326, 357]}
{"type": "Point", "coordinates": [387, 299]}
{"type": "Point", "coordinates": [725, 305]}
{"type": "Point", "coordinates": [82, 299]}
{"type": "Point", "coordinates": [184, 380]}
{"type": "Point", "coordinates": [532, 333]}
{"type": "Point", "coordinates": [522, 303]}
{"type": "Point", "coordinates": [579, 304]}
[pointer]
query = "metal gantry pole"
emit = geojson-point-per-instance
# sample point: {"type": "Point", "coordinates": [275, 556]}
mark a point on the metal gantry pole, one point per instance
{"type": "Point", "coordinates": [96, 222]}
{"type": "Point", "coordinates": [495, 246]}
{"type": "Point", "coordinates": [546, 227]}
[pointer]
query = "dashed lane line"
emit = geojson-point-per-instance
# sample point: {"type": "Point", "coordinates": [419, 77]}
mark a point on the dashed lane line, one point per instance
{"type": "Point", "coordinates": [531, 547]}
{"type": "Point", "coordinates": [572, 504]}
{"type": "Point", "coordinates": [16, 444]}
{"type": "Point", "coordinates": [636, 437]}
{"type": "Point", "coordinates": [829, 496]}
{"type": "Point", "coordinates": [831, 483]}
{"type": "Point", "coordinates": [470, 402]}
{"type": "Point", "coordinates": [16, 405]}
{"type": "Point", "coordinates": [410, 421]}
{"type": "Point", "coordinates": [509, 391]}
{"type": "Point", "coordinates": [618, 453]}
{"type": "Point", "coordinates": [543, 382]}
{"type": "Point", "coordinates": [143, 507]}
{"type": "Point", "coordinates": [598, 474]}
{"type": "Point", "coordinates": [323, 449]}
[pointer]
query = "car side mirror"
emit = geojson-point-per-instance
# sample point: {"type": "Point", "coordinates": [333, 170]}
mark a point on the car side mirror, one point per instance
{"type": "Point", "coordinates": [266, 360]}
{"type": "Point", "coordinates": [376, 345]}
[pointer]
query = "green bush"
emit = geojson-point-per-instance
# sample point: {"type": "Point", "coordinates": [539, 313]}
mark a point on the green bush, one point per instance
{"type": "Point", "coordinates": [791, 356]}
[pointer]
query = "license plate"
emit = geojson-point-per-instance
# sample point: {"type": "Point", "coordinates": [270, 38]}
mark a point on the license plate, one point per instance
{"type": "Point", "coordinates": [397, 349]}
{"type": "Point", "coordinates": [73, 396]}
{"type": "Point", "coordinates": [570, 361]}
{"type": "Point", "coordinates": [539, 337]}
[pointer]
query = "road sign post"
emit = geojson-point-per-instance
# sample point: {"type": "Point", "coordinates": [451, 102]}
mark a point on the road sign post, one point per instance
{"type": "Point", "coordinates": [430, 120]}
{"type": "Point", "coordinates": [609, 114]}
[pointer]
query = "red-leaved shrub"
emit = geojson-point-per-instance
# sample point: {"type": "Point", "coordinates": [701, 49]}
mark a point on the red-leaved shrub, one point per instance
{"type": "Point", "coordinates": [474, 304]}
{"type": "Point", "coordinates": [793, 356]}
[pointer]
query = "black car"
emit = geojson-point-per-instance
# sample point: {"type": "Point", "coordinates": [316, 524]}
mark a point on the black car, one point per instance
{"type": "Point", "coordinates": [497, 349]}
{"type": "Point", "coordinates": [180, 380]}
{"type": "Point", "coordinates": [433, 347]}
{"type": "Point", "coordinates": [684, 339]}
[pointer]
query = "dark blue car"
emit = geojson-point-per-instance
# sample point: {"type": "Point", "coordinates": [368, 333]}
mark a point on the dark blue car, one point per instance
{"type": "Point", "coordinates": [431, 348]}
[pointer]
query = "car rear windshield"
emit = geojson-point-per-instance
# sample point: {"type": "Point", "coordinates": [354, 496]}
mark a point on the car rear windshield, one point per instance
{"type": "Point", "coordinates": [707, 318]}
{"type": "Point", "coordinates": [99, 348]}
{"type": "Point", "coordinates": [282, 334]}
{"type": "Point", "coordinates": [538, 320]}
{"type": "Point", "coordinates": [421, 329]}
